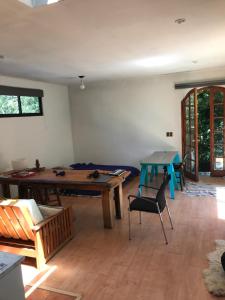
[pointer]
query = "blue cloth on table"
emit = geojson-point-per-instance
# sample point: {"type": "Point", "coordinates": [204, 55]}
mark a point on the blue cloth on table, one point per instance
{"type": "Point", "coordinates": [90, 166]}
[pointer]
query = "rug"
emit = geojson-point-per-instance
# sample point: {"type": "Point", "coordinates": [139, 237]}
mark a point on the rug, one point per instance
{"type": "Point", "coordinates": [214, 276]}
{"type": "Point", "coordinates": [194, 189]}
{"type": "Point", "coordinates": [45, 292]}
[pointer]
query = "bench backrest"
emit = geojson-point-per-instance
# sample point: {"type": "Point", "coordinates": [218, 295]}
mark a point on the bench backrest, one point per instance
{"type": "Point", "coordinates": [16, 223]}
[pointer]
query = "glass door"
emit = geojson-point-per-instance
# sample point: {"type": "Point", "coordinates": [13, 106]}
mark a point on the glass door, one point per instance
{"type": "Point", "coordinates": [190, 134]}
{"type": "Point", "coordinates": [217, 116]}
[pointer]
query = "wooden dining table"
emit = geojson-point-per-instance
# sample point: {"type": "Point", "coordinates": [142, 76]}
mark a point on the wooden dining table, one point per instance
{"type": "Point", "coordinates": [110, 188]}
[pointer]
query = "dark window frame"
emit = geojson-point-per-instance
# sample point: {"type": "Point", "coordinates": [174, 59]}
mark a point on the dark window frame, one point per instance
{"type": "Point", "coordinates": [18, 92]}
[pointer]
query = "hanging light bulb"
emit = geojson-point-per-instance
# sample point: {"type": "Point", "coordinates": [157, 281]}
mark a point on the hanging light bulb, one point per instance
{"type": "Point", "coordinates": [82, 85]}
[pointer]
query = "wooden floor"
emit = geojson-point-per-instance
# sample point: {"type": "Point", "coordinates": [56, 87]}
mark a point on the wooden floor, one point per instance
{"type": "Point", "coordinates": [103, 264]}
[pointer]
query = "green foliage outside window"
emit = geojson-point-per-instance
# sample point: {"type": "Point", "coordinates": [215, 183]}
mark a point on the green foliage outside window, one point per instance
{"type": "Point", "coordinates": [30, 104]}
{"type": "Point", "coordinates": [204, 131]}
{"type": "Point", "coordinates": [19, 105]}
{"type": "Point", "coordinates": [9, 104]}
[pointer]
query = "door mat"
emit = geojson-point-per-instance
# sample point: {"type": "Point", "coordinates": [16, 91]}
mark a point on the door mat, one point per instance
{"type": "Point", "coordinates": [193, 189]}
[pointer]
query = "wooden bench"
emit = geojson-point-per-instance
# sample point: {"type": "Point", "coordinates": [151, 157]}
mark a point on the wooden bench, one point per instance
{"type": "Point", "coordinates": [19, 235]}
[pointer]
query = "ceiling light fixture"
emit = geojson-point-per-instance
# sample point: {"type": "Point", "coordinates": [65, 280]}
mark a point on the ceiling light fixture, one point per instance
{"type": "Point", "coordinates": [180, 20]}
{"type": "Point", "coordinates": [82, 85]}
{"type": "Point", "coordinates": [34, 3]}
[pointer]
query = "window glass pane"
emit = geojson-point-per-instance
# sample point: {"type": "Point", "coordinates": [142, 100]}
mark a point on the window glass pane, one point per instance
{"type": "Point", "coordinates": [30, 104]}
{"type": "Point", "coordinates": [188, 165]}
{"type": "Point", "coordinates": [218, 137]}
{"type": "Point", "coordinates": [188, 141]}
{"type": "Point", "coordinates": [218, 150]}
{"type": "Point", "coordinates": [218, 110]}
{"type": "Point", "coordinates": [8, 104]}
{"type": "Point", "coordinates": [187, 125]}
{"type": "Point", "coordinates": [192, 99]}
{"type": "Point", "coordinates": [192, 111]}
{"type": "Point", "coordinates": [187, 102]}
{"type": "Point", "coordinates": [187, 152]}
{"type": "Point", "coordinates": [187, 111]}
{"type": "Point", "coordinates": [218, 124]}
{"type": "Point", "coordinates": [218, 163]}
{"type": "Point", "coordinates": [193, 153]}
{"type": "Point", "coordinates": [218, 97]}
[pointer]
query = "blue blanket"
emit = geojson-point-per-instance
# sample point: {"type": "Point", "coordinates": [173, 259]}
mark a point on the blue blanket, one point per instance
{"type": "Point", "coordinates": [133, 173]}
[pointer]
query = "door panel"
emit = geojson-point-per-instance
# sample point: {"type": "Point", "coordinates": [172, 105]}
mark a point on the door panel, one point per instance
{"type": "Point", "coordinates": [190, 134]}
{"type": "Point", "coordinates": [217, 116]}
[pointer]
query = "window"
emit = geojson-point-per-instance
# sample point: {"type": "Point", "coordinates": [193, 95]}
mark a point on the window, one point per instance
{"type": "Point", "coordinates": [20, 102]}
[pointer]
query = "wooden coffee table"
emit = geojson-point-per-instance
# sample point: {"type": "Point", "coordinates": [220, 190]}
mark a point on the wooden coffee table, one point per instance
{"type": "Point", "coordinates": [110, 188]}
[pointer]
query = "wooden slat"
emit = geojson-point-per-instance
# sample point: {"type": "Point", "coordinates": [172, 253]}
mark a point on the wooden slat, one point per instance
{"type": "Point", "coordinates": [44, 239]}
{"type": "Point", "coordinates": [15, 242]}
{"type": "Point", "coordinates": [15, 222]}
{"type": "Point", "coordinates": [56, 240]}
{"type": "Point", "coordinates": [18, 250]}
{"type": "Point", "coordinates": [51, 237]}
{"type": "Point", "coordinates": [3, 230]}
{"type": "Point", "coordinates": [23, 216]}
{"type": "Point", "coordinates": [7, 223]}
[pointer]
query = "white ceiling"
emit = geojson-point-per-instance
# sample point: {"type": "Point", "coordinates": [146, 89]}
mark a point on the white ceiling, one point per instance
{"type": "Point", "coordinates": [110, 39]}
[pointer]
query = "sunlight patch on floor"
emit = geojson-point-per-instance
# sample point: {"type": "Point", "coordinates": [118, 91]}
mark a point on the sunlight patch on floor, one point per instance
{"type": "Point", "coordinates": [220, 198]}
{"type": "Point", "coordinates": [31, 276]}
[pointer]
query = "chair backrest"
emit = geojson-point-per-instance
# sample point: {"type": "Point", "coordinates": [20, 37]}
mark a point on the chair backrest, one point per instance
{"type": "Point", "coordinates": [160, 197]}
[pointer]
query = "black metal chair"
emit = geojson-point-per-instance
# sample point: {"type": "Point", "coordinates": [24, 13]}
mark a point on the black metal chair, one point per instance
{"type": "Point", "coordinates": [179, 171]}
{"type": "Point", "coordinates": [151, 205]}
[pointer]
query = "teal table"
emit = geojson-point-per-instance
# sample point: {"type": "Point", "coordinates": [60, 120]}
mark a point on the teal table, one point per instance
{"type": "Point", "coordinates": [155, 160]}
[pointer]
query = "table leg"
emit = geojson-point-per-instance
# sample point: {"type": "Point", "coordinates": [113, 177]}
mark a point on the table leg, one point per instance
{"type": "Point", "coordinates": [171, 183]}
{"type": "Point", "coordinates": [156, 170]}
{"type": "Point", "coordinates": [144, 169]}
{"type": "Point", "coordinates": [177, 159]}
{"type": "Point", "coordinates": [22, 192]}
{"type": "Point", "coordinates": [118, 197]}
{"type": "Point", "coordinates": [146, 175]}
{"type": "Point", "coordinates": [6, 190]}
{"type": "Point", "coordinates": [108, 208]}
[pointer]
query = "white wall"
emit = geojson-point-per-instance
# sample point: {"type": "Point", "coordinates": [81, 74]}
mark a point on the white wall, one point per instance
{"type": "Point", "coordinates": [48, 137]}
{"type": "Point", "coordinates": [123, 121]}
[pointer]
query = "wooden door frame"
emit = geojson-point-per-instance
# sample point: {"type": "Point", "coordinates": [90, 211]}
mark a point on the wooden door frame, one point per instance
{"type": "Point", "coordinates": [213, 89]}
{"type": "Point", "coordinates": [183, 110]}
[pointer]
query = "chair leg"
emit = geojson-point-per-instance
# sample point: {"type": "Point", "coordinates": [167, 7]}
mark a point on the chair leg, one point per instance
{"type": "Point", "coordinates": [58, 197]}
{"type": "Point", "coordinates": [171, 223]}
{"type": "Point", "coordinates": [181, 181]}
{"type": "Point", "coordinates": [129, 224]}
{"type": "Point", "coordinates": [161, 220]}
{"type": "Point", "coordinates": [164, 172]}
{"type": "Point", "coordinates": [139, 217]}
{"type": "Point", "coordinates": [183, 177]}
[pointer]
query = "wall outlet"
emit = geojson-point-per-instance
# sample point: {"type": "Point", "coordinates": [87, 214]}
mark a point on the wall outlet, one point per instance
{"type": "Point", "coordinates": [169, 133]}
